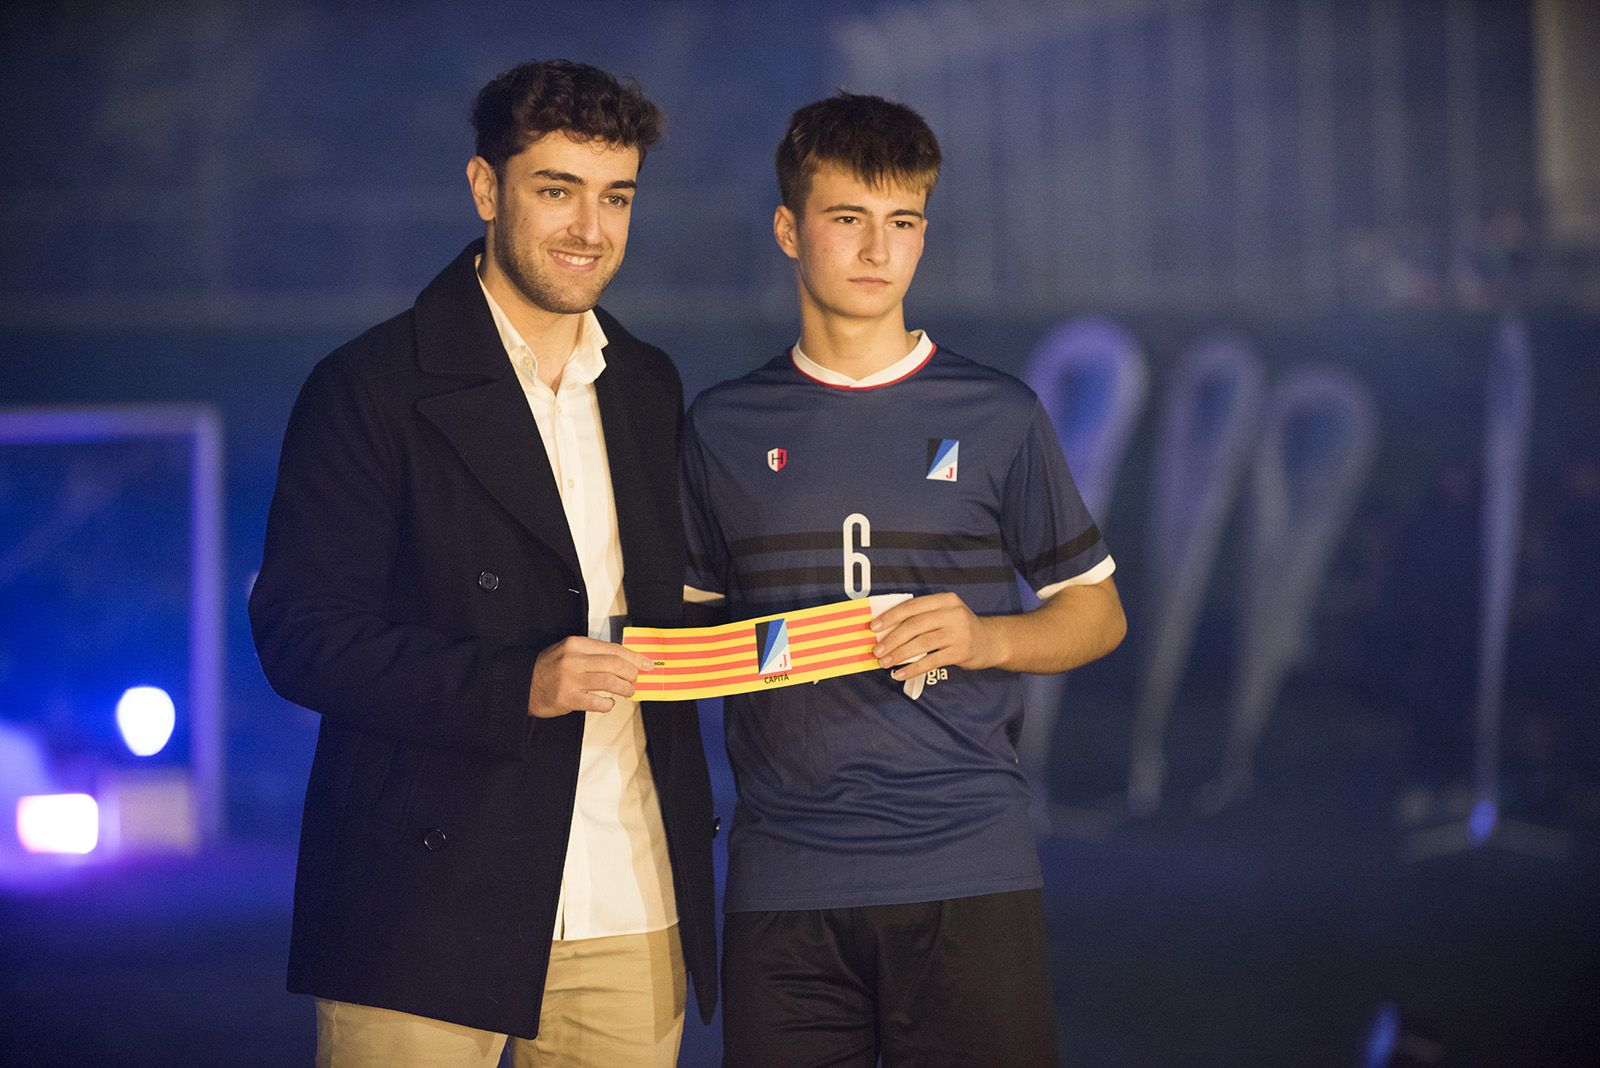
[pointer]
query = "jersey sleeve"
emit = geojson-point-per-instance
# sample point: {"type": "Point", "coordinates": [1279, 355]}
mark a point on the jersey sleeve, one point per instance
{"type": "Point", "coordinates": [1048, 532]}
{"type": "Point", "coordinates": [708, 552]}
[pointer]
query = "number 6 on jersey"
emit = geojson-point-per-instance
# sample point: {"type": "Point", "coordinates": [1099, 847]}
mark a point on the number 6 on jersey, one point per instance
{"type": "Point", "coordinates": [857, 568]}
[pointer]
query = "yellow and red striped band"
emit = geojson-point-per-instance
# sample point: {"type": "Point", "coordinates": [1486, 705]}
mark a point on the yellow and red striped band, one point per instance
{"type": "Point", "coordinates": [768, 652]}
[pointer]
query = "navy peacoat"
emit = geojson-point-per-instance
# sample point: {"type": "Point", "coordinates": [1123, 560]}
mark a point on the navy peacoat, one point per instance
{"type": "Point", "coordinates": [417, 561]}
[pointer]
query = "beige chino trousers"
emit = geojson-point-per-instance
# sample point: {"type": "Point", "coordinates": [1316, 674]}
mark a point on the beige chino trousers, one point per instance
{"type": "Point", "coordinates": [608, 1002]}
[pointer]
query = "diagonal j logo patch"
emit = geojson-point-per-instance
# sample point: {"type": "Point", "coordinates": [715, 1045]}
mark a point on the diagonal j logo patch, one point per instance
{"type": "Point", "coordinates": [772, 646]}
{"type": "Point", "coordinates": [942, 456]}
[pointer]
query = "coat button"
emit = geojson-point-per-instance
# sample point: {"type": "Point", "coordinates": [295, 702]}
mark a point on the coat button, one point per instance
{"type": "Point", "coordinates": [716, 825]}
{"type": "Point", "coordinates": [488, 580]}
{"type": "Point", "coordinates": [433, 840]}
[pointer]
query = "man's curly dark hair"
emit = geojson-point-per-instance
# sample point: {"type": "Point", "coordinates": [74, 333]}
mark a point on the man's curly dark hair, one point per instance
{"type": "Point", "coordinates": [528, 101]}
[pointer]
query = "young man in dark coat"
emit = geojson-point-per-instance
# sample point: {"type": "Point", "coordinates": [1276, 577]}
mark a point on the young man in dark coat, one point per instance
{"type": "Point", "coordinates": [472, 498]}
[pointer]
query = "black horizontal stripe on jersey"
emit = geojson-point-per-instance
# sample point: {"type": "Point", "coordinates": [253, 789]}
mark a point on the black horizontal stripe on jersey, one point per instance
{"type": "Point", "coordinates": [1063, 552]}
{"type": "Point", "coordinates": [881, 539]}
{"type": "Point", "coordinates": [883, 576]}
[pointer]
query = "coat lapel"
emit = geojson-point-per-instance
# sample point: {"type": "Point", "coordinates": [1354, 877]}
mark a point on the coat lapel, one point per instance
{"type": "Point", "coordinates": [642, 455]}
{"type": "Point", "coordinates": [486, 420]}
{"type": "Point", "coordinates": [491, 429]}
{"type": "Point", "coordinates": [612, 393]}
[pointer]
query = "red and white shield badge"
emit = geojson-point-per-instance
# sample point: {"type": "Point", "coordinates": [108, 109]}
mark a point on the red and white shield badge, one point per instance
{"type": "Point", "coordinates": [776, 458]}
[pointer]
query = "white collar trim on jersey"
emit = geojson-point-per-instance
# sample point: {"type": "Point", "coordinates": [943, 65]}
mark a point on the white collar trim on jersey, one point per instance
{"type": "Point", "coordinates": [902, 367]}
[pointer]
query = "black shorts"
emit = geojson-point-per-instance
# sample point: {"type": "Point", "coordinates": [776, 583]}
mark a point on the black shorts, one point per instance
{"type": "Point", "coordinates": [959, 982]}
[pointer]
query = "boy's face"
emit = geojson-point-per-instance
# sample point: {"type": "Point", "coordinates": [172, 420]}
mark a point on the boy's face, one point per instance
{"type": "Point", "coordinates": [855, 245]}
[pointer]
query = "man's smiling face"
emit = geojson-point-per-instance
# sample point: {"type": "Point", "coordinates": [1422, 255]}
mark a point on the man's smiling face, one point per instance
{"type": "Point", "coordinates": [557, 217]}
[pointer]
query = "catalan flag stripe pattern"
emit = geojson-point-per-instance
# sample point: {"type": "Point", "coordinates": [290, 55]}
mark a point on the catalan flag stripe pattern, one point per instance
{"type": "Point", "coordinates": [825, 641]}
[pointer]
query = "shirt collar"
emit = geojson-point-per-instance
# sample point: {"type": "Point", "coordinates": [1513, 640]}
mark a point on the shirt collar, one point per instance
{"type": "Point", "coordinates": [587, 359]}
{"type": "Point", "coordinates": [902, 367]}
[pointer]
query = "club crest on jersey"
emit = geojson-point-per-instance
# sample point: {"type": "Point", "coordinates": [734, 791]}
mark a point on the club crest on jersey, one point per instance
{"type": "Point", "coordinates": [777, 458]}
{"type": "Point", "coordinates": [942, 456]}
{"type": "Point", "coordinates": [772, 647]}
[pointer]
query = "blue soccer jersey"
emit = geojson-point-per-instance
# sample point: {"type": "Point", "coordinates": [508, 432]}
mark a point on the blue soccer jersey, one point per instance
{"type": "Point", "coordinates": [798, 492]}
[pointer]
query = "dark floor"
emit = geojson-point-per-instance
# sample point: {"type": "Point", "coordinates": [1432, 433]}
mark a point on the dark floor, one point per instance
{"type": "Point", "coordinates": [1269, 936]}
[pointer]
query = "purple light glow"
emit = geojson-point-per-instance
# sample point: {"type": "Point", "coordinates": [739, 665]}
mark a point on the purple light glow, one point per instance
{"type": "Point", "coordinates": [202, 427]}
{"type": "Point", "coordinates": [58, 823]}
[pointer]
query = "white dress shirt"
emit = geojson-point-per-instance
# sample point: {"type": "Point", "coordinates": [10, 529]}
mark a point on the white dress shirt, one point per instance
{"type": "Point", "coordinates": [617, 878]}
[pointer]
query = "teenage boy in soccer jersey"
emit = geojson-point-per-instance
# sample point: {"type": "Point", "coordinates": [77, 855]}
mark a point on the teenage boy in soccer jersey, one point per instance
{"type": "Point", "coordinates": [883, 892]}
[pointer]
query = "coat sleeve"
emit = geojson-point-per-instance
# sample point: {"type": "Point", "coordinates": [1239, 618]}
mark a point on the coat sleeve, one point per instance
{"type": "Point", "coordinates": [318, 610]}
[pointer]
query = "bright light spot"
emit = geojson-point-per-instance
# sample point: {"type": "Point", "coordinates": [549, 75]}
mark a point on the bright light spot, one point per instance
{"type": "Point", "coordinates": [58, 823]}
{"type": "Point", "coordinates": [146, 716]}
{"type": "Point", "coordinates": [1480, 825]}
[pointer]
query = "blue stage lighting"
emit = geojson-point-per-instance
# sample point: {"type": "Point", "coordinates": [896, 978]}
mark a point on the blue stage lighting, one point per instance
{"type": "Point", "coordinates": [1394, 1043]}
{"type": "Point", "coordinates": [146, 716]}
{"type": "Point", "coordinates": [1480, 825]}
{"type": "Point", "coordinates": [1383, 1037]}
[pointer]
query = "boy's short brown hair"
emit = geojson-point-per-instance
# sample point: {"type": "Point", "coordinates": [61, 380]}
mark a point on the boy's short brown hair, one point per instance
{"type": "Point", "coordinates": [878, 140]}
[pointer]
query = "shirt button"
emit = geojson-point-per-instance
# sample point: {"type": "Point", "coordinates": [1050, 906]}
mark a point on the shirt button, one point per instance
{"type": "Point", "coordinates": [433, 841]}
{"type": "Point", "coordinates": [570, 483]}
{"type": "Point", "coordinates": [716, 825]}
{"type": "Point", "coordinates": [488, 580]}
